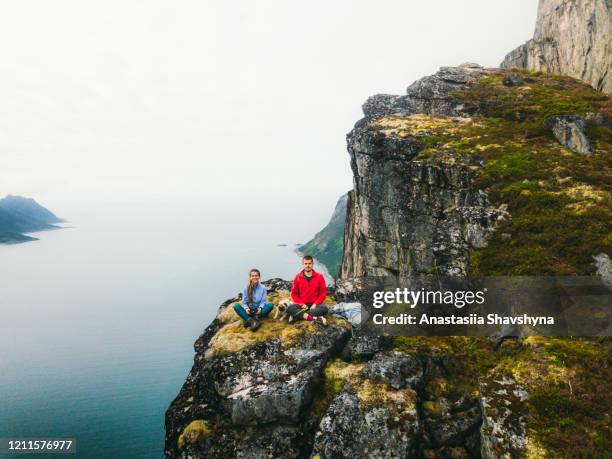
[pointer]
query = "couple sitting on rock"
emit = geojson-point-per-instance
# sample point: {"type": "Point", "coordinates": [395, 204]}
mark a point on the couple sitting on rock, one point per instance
{"type": "Point", "coordinates": [307, 293]}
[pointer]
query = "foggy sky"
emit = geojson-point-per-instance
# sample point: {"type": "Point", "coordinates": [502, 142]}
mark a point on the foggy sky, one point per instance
{"type": "Point", "coordinates": [227, 100]}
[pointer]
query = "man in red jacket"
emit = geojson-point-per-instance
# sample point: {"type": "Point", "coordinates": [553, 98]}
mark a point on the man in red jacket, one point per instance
{"type": "Point", "coordinates": [308, 294]}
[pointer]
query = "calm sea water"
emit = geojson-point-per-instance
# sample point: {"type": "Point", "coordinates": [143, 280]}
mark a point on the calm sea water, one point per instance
{"type": "Point", "coordinates": [97, 321]}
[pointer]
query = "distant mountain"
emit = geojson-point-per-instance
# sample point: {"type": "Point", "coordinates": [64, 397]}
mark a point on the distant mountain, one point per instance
{"type": "Point", "coordinates": [327, 245]}
{"type": "Point", "coordinates": [23, 215]}
{"type": "Point", "coordinates": [15, 238]}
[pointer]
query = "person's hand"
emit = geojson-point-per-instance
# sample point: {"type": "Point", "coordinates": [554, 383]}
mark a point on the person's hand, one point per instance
{"type": "Point", "coordinates": [303, 306]}
{"type": "Point", "coordinates": [258, 312]}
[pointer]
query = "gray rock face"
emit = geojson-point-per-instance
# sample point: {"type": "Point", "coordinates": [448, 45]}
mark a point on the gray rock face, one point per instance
{"type": "Point", "coordinates": [433, 94]}
{"type": "Point", "coordinates": [572, 37]}
{"type": "Point", "coordinates": [385, 104]}
{"type": "Point", "coordinates": [503, 430]}
{"type": "Point", "coordinates": [569, 131]}
{"type": "Point", "coordinates": [430, 94]}
{"type": "Point", "coordinates": [351, 430]}
{"type": "Point", "coordinates": [375, 415]}
{"type": "Point", "coordinates": [406, 216]}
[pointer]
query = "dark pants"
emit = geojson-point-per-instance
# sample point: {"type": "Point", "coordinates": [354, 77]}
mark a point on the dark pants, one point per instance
{"type": "Point", "coordinates": [297, 312]}
{"type": "Point", "coordinates": [247, 315]}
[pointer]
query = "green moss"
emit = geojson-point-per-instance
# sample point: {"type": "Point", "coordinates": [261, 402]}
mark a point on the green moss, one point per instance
{"type": "Point", "coordinates": [331, 387]}
{"type": "Point", "coordinates": [233, 337]}
{"type": "Point", "coordinates": [430, 140]}
{"type": "Point", "coordinates": [432, 409]}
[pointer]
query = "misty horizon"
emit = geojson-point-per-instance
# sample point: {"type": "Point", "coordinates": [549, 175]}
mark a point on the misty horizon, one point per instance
{"type": "Point", "coordinates": [128, 102]}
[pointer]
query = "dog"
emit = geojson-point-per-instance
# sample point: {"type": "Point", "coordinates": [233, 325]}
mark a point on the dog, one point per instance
{"type": "Point", "coordinates": [281, 310]}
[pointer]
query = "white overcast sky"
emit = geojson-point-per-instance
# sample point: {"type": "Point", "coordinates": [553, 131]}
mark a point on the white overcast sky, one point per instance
{"type": "Point", "coordinates": [147, 100]}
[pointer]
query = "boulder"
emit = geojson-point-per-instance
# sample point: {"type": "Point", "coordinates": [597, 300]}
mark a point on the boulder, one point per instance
{"type": "Point", "coordinates": [513, 80]}
{"type": "Point", "coordinates": [361, 347]}
{"type": "Point", "coordinates": [396, 369]}
{"type": "Point", "coordinates": [569, 131]}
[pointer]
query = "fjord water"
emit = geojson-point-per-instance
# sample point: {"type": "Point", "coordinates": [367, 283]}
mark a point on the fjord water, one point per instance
{"type": "Point", "coordinates": [98, 320]}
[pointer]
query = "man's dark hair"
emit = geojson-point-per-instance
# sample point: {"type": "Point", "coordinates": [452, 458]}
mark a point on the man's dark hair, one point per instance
{"type": "Point", "coordinates": [307, 257]}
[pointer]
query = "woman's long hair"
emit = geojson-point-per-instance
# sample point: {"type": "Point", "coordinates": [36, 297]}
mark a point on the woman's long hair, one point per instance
{"type": "Point", "coordinates": [250, 285]}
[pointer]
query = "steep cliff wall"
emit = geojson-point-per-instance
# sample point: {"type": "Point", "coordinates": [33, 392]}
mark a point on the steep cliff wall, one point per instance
{"type": "Point", "coordinates": [572, 37]}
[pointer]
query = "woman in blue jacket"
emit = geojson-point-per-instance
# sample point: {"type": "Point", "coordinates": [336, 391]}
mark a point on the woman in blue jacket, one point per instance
{"type": "Point", "coordinates": [254, 302]}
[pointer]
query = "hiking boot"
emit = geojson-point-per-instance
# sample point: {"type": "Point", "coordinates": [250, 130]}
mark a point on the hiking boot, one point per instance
{"type": "Point", "coordinates": [255, 324]}
{"type": "Point", "coordinates": [246, 323]}
{"type": "Point", "coordinates": [320, 320]}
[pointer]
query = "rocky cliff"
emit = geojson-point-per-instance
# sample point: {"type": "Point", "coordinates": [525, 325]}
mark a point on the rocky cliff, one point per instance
{"type": "Point", "coordinates": [473, 171]}
{"type": "Point", "coordinates": [473, 166]}
{"type": "Point", "coordinates": [572, 37]}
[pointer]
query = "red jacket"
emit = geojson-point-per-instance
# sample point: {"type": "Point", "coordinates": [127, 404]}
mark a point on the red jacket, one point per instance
{"type": "Point", "coordinates": [313, 291]}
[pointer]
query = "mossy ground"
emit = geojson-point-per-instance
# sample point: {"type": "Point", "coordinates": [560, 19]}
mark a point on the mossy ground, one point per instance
{"type": "Point", "coordinates": [568, 380]}
{"type": "Point", "coordinates": [560, 200]}
{"type": "Point", "coordinates": [233, 337]}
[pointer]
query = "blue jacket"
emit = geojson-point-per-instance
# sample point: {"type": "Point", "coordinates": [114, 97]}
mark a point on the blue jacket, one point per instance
{"type": "Point", "coordinates": [260, 295]}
